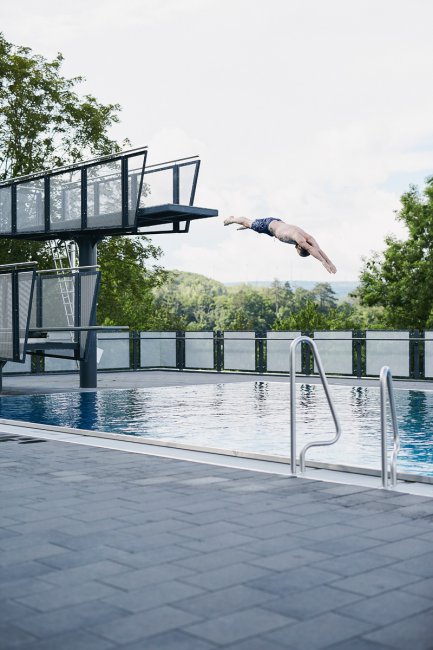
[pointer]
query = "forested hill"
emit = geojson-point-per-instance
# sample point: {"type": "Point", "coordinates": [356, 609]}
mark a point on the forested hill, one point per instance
{"type": "Point", "coordinates": [341, 289]}
{"type": "Point", "coordinates": [195, 302]}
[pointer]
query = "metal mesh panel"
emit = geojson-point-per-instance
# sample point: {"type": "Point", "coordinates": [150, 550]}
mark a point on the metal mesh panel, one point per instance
{"type": "Point", "coordinates": [25, 284]}
{"type": "Point", "coordinates": [158, 349]}
{"type": "Point", "coordinates": [104, 195]}
{"type": "Point", "coordinates": [115, 350]}
{"type": "Point", "coordinates": [336, 355]}
{"type": "Point", "coordinates": [199, 350]}
{"type": "Point", "coordinates": [30, 206]}
{"type": "Point", "coordinates": [87, 301]}
{"type": "Point", "coordinates": [65, 201]}
{"type": "Point", "coordinates": [57, 300]}
{"type": "Point", "coordinates": [239, 351]}
{"type": "Point", "coordinates": [6, 333]}
{"type": "Point", "coordinates": [5, 210]}
{"type": "Point", "coordinates": [387, 351]}
{"type": "Point", "coordinates": [278, 351]}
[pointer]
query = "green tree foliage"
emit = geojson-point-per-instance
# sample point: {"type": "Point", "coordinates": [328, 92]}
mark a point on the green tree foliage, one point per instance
{"type": "Point", "coordinates": [126, 296]}
{"type": "Point", "coordinates": [400, 280]}
{"type": "Point", "coordinates": [194, 302]}
{"type": "Point", "coordinates": [45, 123]}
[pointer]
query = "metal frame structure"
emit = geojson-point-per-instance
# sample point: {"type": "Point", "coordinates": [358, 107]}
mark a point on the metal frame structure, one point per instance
{"type": "Point", "coordinates": [94, 199]}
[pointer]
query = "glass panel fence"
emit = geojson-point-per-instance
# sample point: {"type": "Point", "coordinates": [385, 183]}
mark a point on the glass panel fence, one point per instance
{"type": "Point", "coordinates": [199, 350]}
{"type": "Point", "coordinates": [278, 351]}
{"type": "Point", "coordinates": [104, 195]}
{"type": "Point", "coordinates": [65, 201]}
{"type": "Point", "coordinates": [239, 350]}
{"type": "Point", "coordinates": [5, 210]}
{"type": "Point", "coordinates": [30, 206]}
{"type": "Point", "coordinates": [428, 354]}
{"type": "Point", "coordinates": [115, 350]}
{"type": "Point", "coordinates": [389, 349]}
{"type": "Point", "coordinates": [12, 366]}
{"type": "Point", "coordinates": [335, 354]}
{"type": "Point", "coordinates": [158, 349]}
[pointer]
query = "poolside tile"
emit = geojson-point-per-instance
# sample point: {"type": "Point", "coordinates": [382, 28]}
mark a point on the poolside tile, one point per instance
{"type": "Point", "coordinates": [388, 607]}
{"type": "Point", "coordinates": [294, 580]}
{"type": "Point", "coordinates": [236, 626]}
{"type": "Point", "coordinates": [311, 602]}
{"type": "Point", "coordinates": [414, 633]}
{"type": "Point", "coordinates": [226, 576]}
{"type": "Point", "coordinates": [320, 632]}
{"type": "Point", "coordinates": [375, 582]}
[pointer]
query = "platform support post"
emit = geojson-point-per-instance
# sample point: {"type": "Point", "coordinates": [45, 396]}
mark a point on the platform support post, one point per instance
{"type": "Point", "coordinates": [88, 253]}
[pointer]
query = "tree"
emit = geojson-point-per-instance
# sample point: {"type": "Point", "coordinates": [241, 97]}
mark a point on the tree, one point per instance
{"type": "Point", "coordinates": [125, 296]}
{"type": "Point", "coordinates": [401, 278]}
{"type": "Point", "coordinates": [324, 295]}
{"type": "Point", "coordinates": [44, 124]}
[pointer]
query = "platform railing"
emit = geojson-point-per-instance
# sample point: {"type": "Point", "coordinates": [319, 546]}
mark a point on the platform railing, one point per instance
{"type": "Point", "coordinates": [319, 443]}
{"type": "Point", "coordinates": [386, 386]}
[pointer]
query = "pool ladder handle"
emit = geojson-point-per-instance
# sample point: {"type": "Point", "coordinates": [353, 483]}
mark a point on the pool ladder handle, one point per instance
{"type": "Point", "coordinates": [387, 386]}
{"type": "Point", "coordinates": [324, 443]}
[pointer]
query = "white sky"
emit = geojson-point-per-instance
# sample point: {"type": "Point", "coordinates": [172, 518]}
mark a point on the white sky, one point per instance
{"type": "Point", "coordinates": [315, 111]}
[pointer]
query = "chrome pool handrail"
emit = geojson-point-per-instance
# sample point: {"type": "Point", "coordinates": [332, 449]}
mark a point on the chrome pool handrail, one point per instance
{"type": "Point", "coordinates": [297, 341]}
{"type": "Point", "coordinates": [386, 383]}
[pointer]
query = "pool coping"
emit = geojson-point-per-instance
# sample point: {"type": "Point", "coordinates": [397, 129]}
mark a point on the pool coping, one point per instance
{"type": "Point", "coordinates": [199, 449]}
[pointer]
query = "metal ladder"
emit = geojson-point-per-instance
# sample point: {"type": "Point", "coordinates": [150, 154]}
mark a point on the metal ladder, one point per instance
{"type": "Point", "coordinates": [386, 386]}
{"type": "Point", "coordinates": [293, 347]}
{"type": "Point", "coordinates": [62, 251]}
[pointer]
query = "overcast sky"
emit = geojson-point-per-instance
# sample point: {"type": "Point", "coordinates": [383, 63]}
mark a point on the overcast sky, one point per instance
{"type": "Point", "coordinates": [315, 111]}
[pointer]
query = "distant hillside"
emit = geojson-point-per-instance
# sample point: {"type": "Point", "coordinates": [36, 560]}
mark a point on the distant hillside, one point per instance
{"type": "Point", "coordinates": [341, 289]}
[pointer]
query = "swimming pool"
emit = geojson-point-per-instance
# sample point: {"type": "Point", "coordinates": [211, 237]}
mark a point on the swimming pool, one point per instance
{"type": "Point", "coordinates": [245, 416]}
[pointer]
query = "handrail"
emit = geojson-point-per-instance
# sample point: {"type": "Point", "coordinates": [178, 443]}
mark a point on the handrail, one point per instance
{"type": "Point", "coordinates": [324, 443]}
{"type": "Point", "coordinates": [386, 383]}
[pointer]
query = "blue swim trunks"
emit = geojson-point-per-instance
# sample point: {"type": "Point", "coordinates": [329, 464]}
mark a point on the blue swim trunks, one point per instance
{"type": "Point", "coordinates": [262, 225]}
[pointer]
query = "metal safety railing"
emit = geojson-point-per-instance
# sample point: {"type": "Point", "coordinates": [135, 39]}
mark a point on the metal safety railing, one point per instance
{"type": "Point", "coordinates": [318, 443]}
{"type": "Point", "coordinates": [387, 387]}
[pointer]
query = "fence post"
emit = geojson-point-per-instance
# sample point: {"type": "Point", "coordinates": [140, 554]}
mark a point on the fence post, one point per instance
{"type": "Point", "coordinates": [180, 350]}
{"type": "Point", "coordinates": [135, 344]}
{"type": "Point", "coordinates": [414, 352]}
{"type": "Point", "coordinates": [306, 355]}
{"type": "Point", "coordinates": [260, 356]}
{"type": "Point", "coordinates": [218, 350]}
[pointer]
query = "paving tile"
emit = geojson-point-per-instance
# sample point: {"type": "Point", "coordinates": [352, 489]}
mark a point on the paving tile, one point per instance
{"type": "Point", "coordinates": [421, 588]}
{"type": "Point", "coordinates": [290, 559]}
{"type": "Point", "coordinates": [224, 601]}
{"type": "Point", "coordinates": [226, 576]}
{"type": "Point", "coordinates": [71, 640]}
{"type": "Point", "coordinates": [320, 632]}
{"type": "Point", "coordinates": [151, 596]}
{"type": "Point", "coordinates": [414, 633]}
{"type": "Point", "coordinates": [13, 637]}
{"type": "Point", "coordinates": [311, 602]}
{"type": "Point", "coordinates": [147, 576]}
{"type": "Point", "coordinates": [238, 625]}
{"type": "Point", "coordinates": [388, 607]}
{"type": "Point", "coordinates": [375, 582]}
{"type": "Point", "coordinates": [358, 562]}
{"type": "Point", "coordinates": [58, 597]}
{"type": "Point", "coordinates": [406, 548]}
{"type": "Point", "coordinates": [215, 560]}
{"type": "Point", "coordinates": [144, 624]}
{"type": "Point", "coordinates": [294, 580]}
{"type": "Point", "coordinates": [421, 565]}
{"type": "Point", "coordinates": [171, 640]}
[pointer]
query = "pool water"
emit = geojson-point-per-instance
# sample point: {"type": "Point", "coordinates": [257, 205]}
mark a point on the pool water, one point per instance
{"type": "Point", "coordinates": [248, 417]}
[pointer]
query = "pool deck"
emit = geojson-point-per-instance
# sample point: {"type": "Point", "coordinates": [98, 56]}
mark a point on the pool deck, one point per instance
{"type": "Point", "coordinates": [103, 548]}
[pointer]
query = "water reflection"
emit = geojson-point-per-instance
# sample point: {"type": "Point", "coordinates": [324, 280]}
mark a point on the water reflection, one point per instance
{"type": "Point", "coordinates": [246, 416]}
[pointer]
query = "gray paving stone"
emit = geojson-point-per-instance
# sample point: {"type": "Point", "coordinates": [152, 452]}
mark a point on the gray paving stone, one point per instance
{"type": "Point", "coordinates": [421, 588]}
{"type": "Point", "coordinates": [414, 633]}
{"type": "Point", "coordinates": [13, 637]}
{"type": "Point", "coordinates": [375, 582]}
{"type": "Point", "coordinates": [171, 640]}
{"type": "Point", "coordinates": [164, 593]}
{"type": "Point", "coordinates": [148, 576]}
{"type": "Point", "coordinates": [290, 559]}
{"type": "Point", "coordinates": [294, 580]}
{"type": "Point", "coordinates": [144, 624]}
{"type": "Point", "coordinates": [388, 607]}
{"type": "Point", "coordinates": [311, 602]}
{"type": "Point", "coordinates": [238, 625]}
{"type": "Point", "coordinates": [10, 611]}
{"type": "Point", "coordinates": [58, 597]}
{"type": "Point", "coordinates": [226, 576]}
{"type": "Point", "coordinates": [215, 560]}
{"type": "Point", "coordinates": [358, 562]}
{"type": "Point", "coordinates": [421, 566]}
{"type": "Point", "coordinates": [319, 632]}
{"type": "Point", "coordinates": [75, 640]}
{"type": "Point", "coordinates": [224, 601]}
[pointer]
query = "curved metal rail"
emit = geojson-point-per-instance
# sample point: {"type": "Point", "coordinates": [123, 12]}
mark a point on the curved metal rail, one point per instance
{"type": "Point", "coordinates": [324, 443]}
{"type": "Point", "coordinates": [386, 383]}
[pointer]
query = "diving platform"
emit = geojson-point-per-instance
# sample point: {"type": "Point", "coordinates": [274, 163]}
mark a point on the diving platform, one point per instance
{"type": "Point", "coordinates": [112, 195]}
